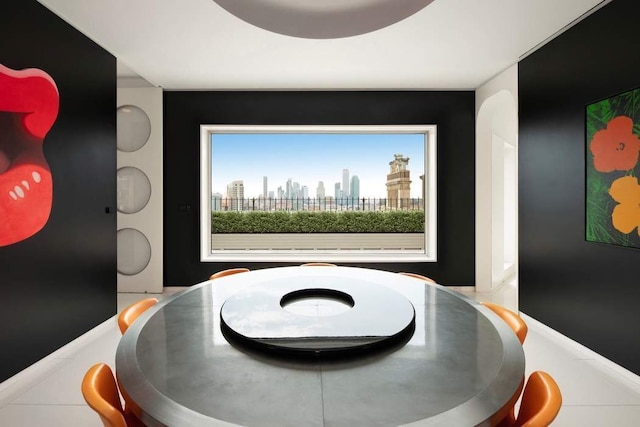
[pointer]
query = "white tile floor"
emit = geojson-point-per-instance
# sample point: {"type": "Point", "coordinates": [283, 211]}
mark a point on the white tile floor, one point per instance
{"type": "Point", "coordinates": [595, 391]}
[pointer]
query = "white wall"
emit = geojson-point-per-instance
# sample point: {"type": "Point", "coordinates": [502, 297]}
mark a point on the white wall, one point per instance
{"type": "Point", "coordinates": [496, 180]}
{"type": "Point", "coordinates": [148, 220]}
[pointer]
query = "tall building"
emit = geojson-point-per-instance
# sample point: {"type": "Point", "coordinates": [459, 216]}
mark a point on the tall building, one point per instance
{"type": "Point", "coordinates": [216, 202]}
{"type": "Point", "coordinates": [345, 183]}
{"type": "Point", "coordinates": [336, 190]}
{"type": "Point", "coordinates": [354, 188]}
{"type": "Point", "coordinates": [398, 182]}
{"type": "Point", "coordinates": [265, 188]}
{"type": "Point", "coordinates": [289, 189]}
{"type": "Point", "coordinates": [320, 191]}
{"type": "Point", "coordinates": [296, 191]}
{"type": "Point", "coordinates": [235, 195]}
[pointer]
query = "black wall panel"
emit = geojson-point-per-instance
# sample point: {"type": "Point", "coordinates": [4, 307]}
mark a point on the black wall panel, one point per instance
{"type": "Point", "coordinates": [61, 282]}
{"type": "Point", "coordinates": [453, 112]}
{"type": "Point", "coordinates": [587, 291]}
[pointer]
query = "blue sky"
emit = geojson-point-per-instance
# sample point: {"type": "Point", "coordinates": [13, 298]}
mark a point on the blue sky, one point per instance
{"type": "Point", "coordinates": [311, 157]}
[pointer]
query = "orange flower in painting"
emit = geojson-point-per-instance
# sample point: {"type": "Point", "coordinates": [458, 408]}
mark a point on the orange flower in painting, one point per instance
{"type": "Point", "coordinates": [626, 215]}
{"type": "Point", "coordinates": [616, 147]}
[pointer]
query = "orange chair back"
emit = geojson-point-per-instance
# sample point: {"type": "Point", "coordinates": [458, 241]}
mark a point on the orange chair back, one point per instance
{"type": "Point", "coordinates": [419, 276]}
{"type": "Point", "coordinates": [228, 272]}
{"type": "Point", "coordinates": [132, 312]}
{"type": "Point", "coordinates": [317, 264]}
{"type": "Point", "coordinates": [101, 393]}
{"type": "Point", "coordinates": [541, 401]}
{"type": "Point", "coordinates": [514, 321]}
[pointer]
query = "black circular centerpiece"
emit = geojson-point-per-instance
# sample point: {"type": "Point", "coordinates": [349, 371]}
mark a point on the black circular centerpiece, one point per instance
{"type": "Point", "coordinates": [372, 317]}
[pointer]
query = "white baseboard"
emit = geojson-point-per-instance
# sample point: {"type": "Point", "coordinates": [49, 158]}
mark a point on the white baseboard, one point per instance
{"type": "Point", "coordinates": [13, 386]}
{"type": "Point", "coordinates": [608, 366]}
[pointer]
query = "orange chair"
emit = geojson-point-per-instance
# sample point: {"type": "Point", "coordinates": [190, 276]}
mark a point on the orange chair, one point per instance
{"type": "Point", "coordinates": [514, 321]}
{"type": "Point", "coordinates": [228, 272]}
{"type": "Point", "coordinates": [101, 394]}
{"type": "Point", "coordinates": [540, 404]}
{"type": "Point", "coordinates": [133, 311]}
{"type": "Point", "coordinates": [419, 276]}
{"type": "Point", "coordinates": [318, 264]}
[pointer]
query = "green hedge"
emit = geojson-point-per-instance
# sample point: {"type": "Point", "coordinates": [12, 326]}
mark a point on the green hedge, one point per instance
{"type": "Point", "coordinates": [318, 222]}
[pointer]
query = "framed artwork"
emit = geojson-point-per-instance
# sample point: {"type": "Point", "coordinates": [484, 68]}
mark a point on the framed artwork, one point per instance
{"type": "Point", "coordinates": [29, 103]}
{"type": "Point", "coordinates": [612, 170]}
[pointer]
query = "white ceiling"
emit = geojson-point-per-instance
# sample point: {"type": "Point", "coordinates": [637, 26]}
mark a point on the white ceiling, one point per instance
{"type": "Point", "coordinates": [196, 44]}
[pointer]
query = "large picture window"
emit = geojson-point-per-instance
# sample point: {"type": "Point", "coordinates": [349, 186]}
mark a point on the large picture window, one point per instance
{"type": "Point", "coordinates": [326, 193]}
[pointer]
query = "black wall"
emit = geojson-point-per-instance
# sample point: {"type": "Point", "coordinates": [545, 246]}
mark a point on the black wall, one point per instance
{"type": "Point", "coordinates": [589, 292]}
{"type": "Point", "coordinates": [453, 112]}
{"type": "Point", "coordinates": [61, 282]}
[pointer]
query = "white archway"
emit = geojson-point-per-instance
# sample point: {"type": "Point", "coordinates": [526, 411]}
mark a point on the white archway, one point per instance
{"type": "Point", "coordinates": [496, 190]}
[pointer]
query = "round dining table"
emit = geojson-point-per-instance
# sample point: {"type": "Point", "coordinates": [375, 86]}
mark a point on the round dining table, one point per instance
{"type": "Point", "coordinates": [458, 364]}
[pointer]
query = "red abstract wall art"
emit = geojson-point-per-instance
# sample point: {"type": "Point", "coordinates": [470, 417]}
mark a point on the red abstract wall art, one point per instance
{"type": "Point", "coordinates": [29, 104]}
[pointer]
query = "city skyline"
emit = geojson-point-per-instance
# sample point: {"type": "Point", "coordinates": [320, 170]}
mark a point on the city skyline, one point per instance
{"type": "Point", "coordinates": [310, 158]}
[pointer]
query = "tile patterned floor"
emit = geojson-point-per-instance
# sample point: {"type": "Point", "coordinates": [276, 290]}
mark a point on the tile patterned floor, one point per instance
{"type": "Point", "coordinates": [595, 393]}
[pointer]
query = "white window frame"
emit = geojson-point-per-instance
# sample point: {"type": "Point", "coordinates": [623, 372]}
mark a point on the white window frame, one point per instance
{"type": "Point", "coordinates": [399, 255]}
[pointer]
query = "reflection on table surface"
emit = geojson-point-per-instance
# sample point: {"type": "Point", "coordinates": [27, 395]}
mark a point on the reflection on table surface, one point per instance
{"type": "Point", "coordinates": [459, 367]}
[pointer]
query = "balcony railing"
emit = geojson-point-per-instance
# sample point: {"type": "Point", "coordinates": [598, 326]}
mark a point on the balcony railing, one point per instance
{"type": "Point", "coordinates": [365, 228]}
{"type": "Point", "coordinates": [315, 204]}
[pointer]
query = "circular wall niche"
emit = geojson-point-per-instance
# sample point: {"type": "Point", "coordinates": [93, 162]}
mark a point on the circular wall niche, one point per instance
{"type": "Point", "coordinates": [134, 190]}
{"type": "Point", "coordinates": [133, 128]}
{"type": "Point", "coordinates": [134, 251]}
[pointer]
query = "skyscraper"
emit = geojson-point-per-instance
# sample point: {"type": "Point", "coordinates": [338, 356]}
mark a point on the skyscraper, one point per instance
{"type": "Point", "coordinates": [289, 189]}
{"type": "Point", "coordinates": [320, 191]}
{"type": "Point", "coordinates": [216, 202]}
{"type": "Point", "coordinates": [264, 187]}
{"type": "Point", "coordinates": [336, 189]}
{"type": "Point", "coordinates": [354, 188]}
{"type": "Point", "coordinates": [235, 194]}
{"type": "Point", "coordinates": [345, 183]}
